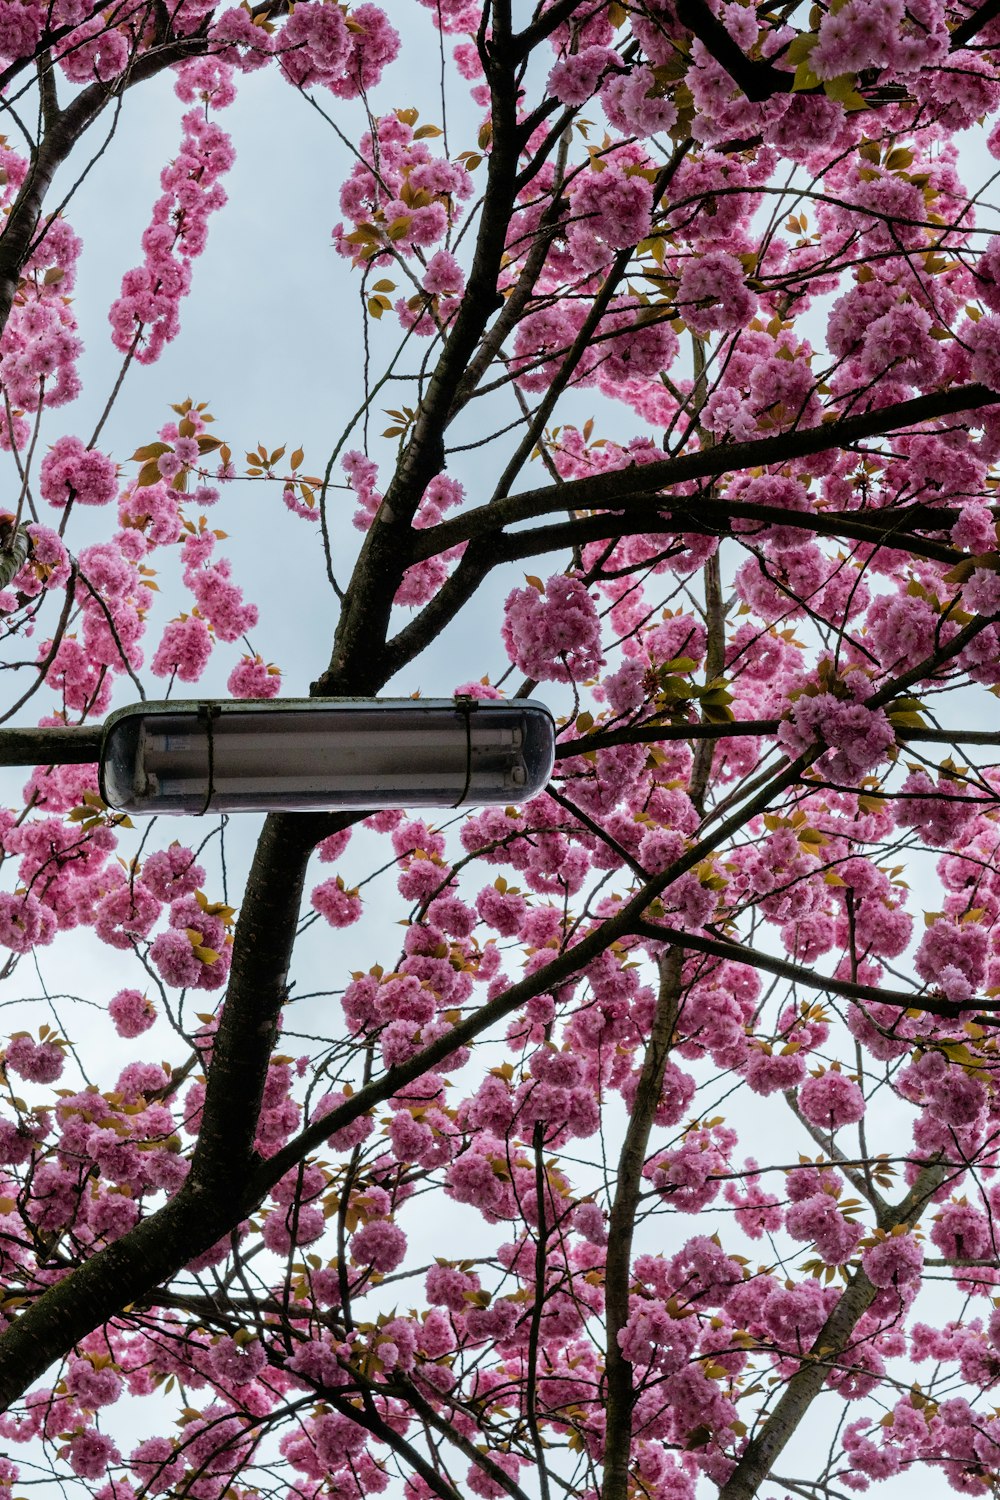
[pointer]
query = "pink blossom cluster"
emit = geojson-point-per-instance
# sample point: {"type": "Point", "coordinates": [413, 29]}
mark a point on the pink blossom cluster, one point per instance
{"type": "Point", "coordinates": [38, 350]}
{"type": "Point", "coordinates": [195, 949]}
{"type": "Point", "coordinates": [114, 597]}
{"type": "Point", "coordinates": [553, 634]}
{"type": "Point", "coordinates": [610, 206]}
{"type": "Point", "coordinates": [399, 196]}
{"type": "Point", "coordinates": [712, 294]}
{"type": "Point", "coordinates": [71, 472]}
{"type": "Point", "coordinates": [362, 476]}
{"type": "Point", "coordinates": [146, 315]}
{"type": "Point", "coordinates": [317, 47]}
{"type": "Point", "coordinates": [768, 384]}
{"type": "Point", "coordinates": [831, 1100]}
{"type": "Point", "coordinates": [857, 737]}
{"type": "Point", "coordinates": [633, 104]}
{"type": "Point", "coordinates": [952, 956]}
{"type": "Point", "coordinates": [901, 38]}
{"type": "Point", "coordinates": [629, 349]}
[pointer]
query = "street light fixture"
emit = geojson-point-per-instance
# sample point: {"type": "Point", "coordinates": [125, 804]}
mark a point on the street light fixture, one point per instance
{"type": "Point", "coordinates": [304, 754]}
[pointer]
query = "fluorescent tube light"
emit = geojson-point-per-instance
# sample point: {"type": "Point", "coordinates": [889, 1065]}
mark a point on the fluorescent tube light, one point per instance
{"type": "Point", "coordinates": [315, 753]}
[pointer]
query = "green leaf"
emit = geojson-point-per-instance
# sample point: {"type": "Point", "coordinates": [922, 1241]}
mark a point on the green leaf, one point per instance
{"type": "Point", "coordinates": [801, 46]}
{"type": "Point", "coordinates": [148, 474]}
{"type": "Point", "coordinates": [805, 79]}
{"type": "Point", "coordinates": [844, 90]}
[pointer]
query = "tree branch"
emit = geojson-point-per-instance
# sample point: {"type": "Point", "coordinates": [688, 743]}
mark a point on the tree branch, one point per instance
{"type": "Point", "coordinates": [211, 1200]}
{"type": "Point", "coordinates": [826, 1355]}
{"type": "Point", "coordinates": [641, 483]}
{"type": "Point", "coordinates": [980, 17]}
{"type": "Point", "coordinates": [618, 1391]}
{"type": "Point", "coordinates": [739, 953]}
{"type": "Point", "coordinates": [758, 80]}
{"type": "Point", "coordinates": [651, 733]}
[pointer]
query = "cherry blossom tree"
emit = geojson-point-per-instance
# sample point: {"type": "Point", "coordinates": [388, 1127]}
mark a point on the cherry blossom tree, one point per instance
{"type": "Point", "coordinates": [686, 1071]}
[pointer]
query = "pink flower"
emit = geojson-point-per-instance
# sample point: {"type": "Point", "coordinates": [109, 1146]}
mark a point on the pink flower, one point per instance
{"type": "Point", "coordinates": [39, 1062]}
{"type": "Point", "coordinates": [961, 1232]}
{"type": "Point", "coordinates": [444, 276]}
{"type": "Point", "coordinates": [608, 210]}
{"type": "Point", "coordinates": [336, 903]}
{"type": "Point", "coordinates": [333, 847]}
{"type": "Point", "coordinates": [553, 635]}
{"type": "Point", "coordinates": [126, 915]}
{"type": "Point", "coordinates": [112, 1215]}
{"type": "Point", "coordinates": [574, 79]}
{"type": "Point", "coordinates": [858, 737]}
{"type": "Point", "coordinates": [72, 472]}
{"type": "Point", "coordinates": [174, 956]}
{"type": "Point", "coordinates": [503, 911]}
{"type": "Point", "coordinates": [770, 1073]}
{"type": "Point", "coordinates": [893, 1261]}
{"type": "Point", "coordinates": [184, 649]}
{"type": "Point", "coordinates": [238, 1362]}
{"type": "Point", "coordinates": [712, 295]}
{"type": "Point", "coordinates": [952, 955]}
{"type": "Point", "coordinates": [818, 1218]}
{"type": "Point", "coordinates": [350, 1135]}
{"type": "Point", "coordinates": [380, 1244]}
{"type": "Point", "coordinates": [298, 1225]}
{"type": "Point", "coordinates": [254, 678]}
{"type": "Point", "coordinates": [220, 602]}
{"type": "Point", "coordinates": [172, 872]}
{"type": "Point", "coordinates": [169, 465]}
{"type": "Point", "coordinates": [657, 1340]}
{"type": "Point", "coordinates": [90, 1453]}
{"type": "Point", "coordinates": [147, 313]}
{"type": "Point", "coordinates": [132, 1012]}
{"type": "Point", "coordinates": [901, 342]}
{"type": "Point", "coordinates": [831, 1100]}
{"type": "Point", "coordinates": [634, 106]}
{"type": "Point", "coordinates": [92, 1386]}
{"type": "Point", "coordinates": [156, 1462]}
{"type": "Point", "coordinates": [301, 508]}
{"type": "Point", "coordinates": [23, 922]}
{"type": "Point", "coordinates": [984, 339]}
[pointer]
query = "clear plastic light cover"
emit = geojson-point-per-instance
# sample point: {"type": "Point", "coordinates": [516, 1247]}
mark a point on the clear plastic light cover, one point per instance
{"type": "Point", "coordinates": [314, 753]}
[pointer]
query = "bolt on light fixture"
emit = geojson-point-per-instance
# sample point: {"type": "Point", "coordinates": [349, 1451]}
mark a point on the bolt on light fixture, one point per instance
{"type": "Point", "coordinates": [314, 753]}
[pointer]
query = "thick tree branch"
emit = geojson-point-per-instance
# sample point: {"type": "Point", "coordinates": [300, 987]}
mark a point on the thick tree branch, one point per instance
{"type": "Point", "coordinates": [641, 483]}
{"type": "Point", "coordinates": [545, 24]}
{"type": "Point", "coordinates": [388, 546]}
{"type": "Point", "coordinates": [710, 516]}
{"type": "Point", "coordinates": [212, 1197]}
{"type": "Point", "coordinates": [758, 80]}
{"type": "Point", "coordinates": [974, 23]}
{"type": "Point", "coordinates": [652, 733]}
{"type": "Point", "coordinates": [618, 1391]}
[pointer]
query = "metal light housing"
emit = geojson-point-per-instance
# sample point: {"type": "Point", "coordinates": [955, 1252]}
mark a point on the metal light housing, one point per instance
{"type": "Point", "coordinates": [308, 754]}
